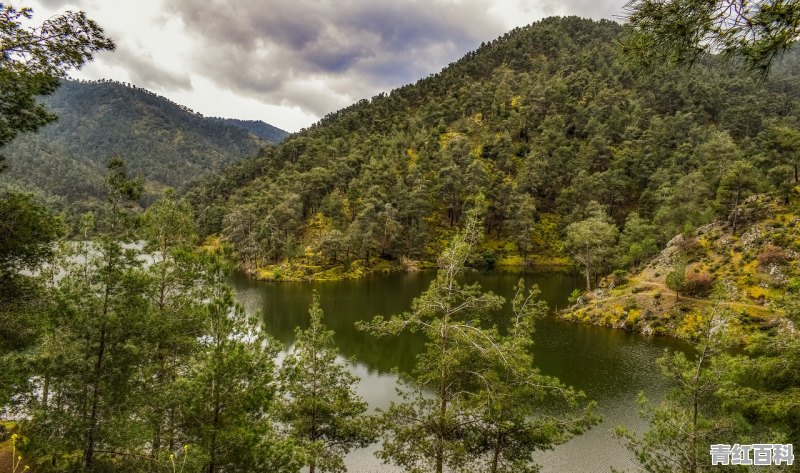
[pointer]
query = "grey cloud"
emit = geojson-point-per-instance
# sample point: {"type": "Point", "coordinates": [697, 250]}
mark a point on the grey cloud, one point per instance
{"type": "Point", "coordinates": [356, 48]}
{"type": "Point", "coordinates": [144, 72]}
{"type": "Point", "coordinates": [58, 3]}
{"type": "Point", "coordinates": [608, 9]}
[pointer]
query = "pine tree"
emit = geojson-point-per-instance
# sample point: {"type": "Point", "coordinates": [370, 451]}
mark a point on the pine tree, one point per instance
{"type": "Point", "coordinates": [319, 406]}
{"type": "Point", "coordinates": [518, 409]}
{"type": "Point", "coordinates": [229, 388]}
{"type": "Point", "coordinates": [32, 59]}
{"type": "Point", "coordinates": [423, 432]}
{"type": "Point", "coordinates": [175, 293]}
{"type": "Point", "coordinates": [691, 417]}
{"type": "Point", "coordinates": [93, 341]}
{"type": "Point", "coordinates": [454, 411]}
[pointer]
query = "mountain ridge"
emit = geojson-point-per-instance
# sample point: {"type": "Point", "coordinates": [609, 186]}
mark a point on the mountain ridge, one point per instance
{"type": "Point", "coordinates": [167, 144]}
{"type": "Point", "coordinates": [262, 129]}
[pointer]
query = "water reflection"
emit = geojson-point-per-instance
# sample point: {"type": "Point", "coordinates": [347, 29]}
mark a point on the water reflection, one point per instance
{"type": "Point", "coordinates": [611, 366]}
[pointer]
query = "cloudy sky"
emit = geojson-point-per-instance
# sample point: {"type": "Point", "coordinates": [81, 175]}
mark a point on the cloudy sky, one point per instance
{"type": "Point", "coordinates": [290, 62]}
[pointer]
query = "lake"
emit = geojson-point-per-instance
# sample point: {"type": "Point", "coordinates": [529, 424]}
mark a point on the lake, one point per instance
{"type": "Point", "coordinates": [610, 366]}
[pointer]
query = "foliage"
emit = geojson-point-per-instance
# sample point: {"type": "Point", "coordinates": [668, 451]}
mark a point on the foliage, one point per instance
{"type": "Point", "coordinates": [542, 121]}
{"type": "Point", "coordinates": [483, 411]}
{"type": "Point", "coordinates": [698, 284]}
{"type": "Point", "coordinates": [691, 418]}
{"type": "Point", "coordinates": [676, 279]}
{"type": "Point", "coordinates": [637, 241]}
{"type": "Point", "coordinates": [265, 131]}
{"type": "Point", "coordinates": [228, 389]}
{"type": "Point", "coordinates": [27, 233]}
{"type": "Point", "coordinates": [132, 359]}
{"type": "Point", "coordinates": [165, 143]}
{"type": "Point", "coordinates": [591, 243]}
{"type": "Point", "coordinates": [772, 254]}
{"type": "Point", "coordinates": [90, 341]}
{"type": "Point", "coordinates": [738, 182]}
{"type": "Point", "coordinates": [32, 59]}
{"type": "Point", "coordinates": [764, 382]}
{"type": "Point", "coordinates": [518, 410]}
{"type": "Point", "coordinates": [681, 31]}
{"type": "Point", "coordinates": [319, 406]}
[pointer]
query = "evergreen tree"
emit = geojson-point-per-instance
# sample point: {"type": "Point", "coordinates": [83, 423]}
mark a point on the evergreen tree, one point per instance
{"type": "Point", "coordinates": [637, 242]}
{"type": "Point", "coordinates": [738, 182]}
{"type": "Point", "coordinates": [229, 388]}
{"type": "Point", "coordinates": [518, 410]}
{"type": "Point", "coordinates": [93, 342]}
{"type": "Point", "coordinates": [32, 59]}
{"type": "Point", "coordinates": [691, 418]}
{"type": "Point", "coordinates": [319, 406]}
{"type": "Point", "coordinates": [175, 293]}
{"type": "Point", "coordinates": [676, 279]}
{"type": "Point", "coordinates": [763, 383]}
{"type": "Point", "coordinates": [455, 409]}
{"type": "Point", "coordinates": [681, 31]}
{"type": "Point", "coordinates": [521, 223]}
{"type": "Point", "coordinates": [28, 234]}
{"type": "Point", "coordinates": [427, 433]}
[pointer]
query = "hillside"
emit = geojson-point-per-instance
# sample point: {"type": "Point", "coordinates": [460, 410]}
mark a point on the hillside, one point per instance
{"type": "Point", "coordinates": [750, 273]}
{"type": "Point", "coordinates": [166, 143]}
{"type": "Point", "coordinates": [265, 131]}
{"type": "Point", "coordinates": [547, 124]}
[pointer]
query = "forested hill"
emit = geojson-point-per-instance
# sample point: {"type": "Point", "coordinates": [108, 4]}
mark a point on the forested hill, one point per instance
{"type": "Point", "coordinates": [166, 143]}
{"type": "Point", "coordinates": [265, 131]}
{"type": "Point", "coordinates": [548, 124]}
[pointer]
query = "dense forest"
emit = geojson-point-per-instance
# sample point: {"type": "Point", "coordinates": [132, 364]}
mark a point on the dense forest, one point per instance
{"type": "Point", "coordinates": [167, 144]}
{"type": "Point", "coordinates": [547, 123]}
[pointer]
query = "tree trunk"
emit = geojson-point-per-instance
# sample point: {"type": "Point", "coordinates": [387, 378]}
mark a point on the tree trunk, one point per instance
{"type": "Point", "coordinates": [736, 211]}
{"type": "Point", "coordinates": [90, 430]}
{"type": "Point", "coordinates": [156, 440]}
{"type": "Point", "coordinates": [693, 464]}
{"type": "Point", "coordinates": [45, 391]}
{"type": "Point", "coordinates": [212, 464]}
{"type": "Point", "coordinates": [98, 370]}
{"type": "Point", "coordinates": [588, 278]}
{"type": "Point", "coordinates": [496, 455]}
{"type": "Point", "coordinates": [442, 408]}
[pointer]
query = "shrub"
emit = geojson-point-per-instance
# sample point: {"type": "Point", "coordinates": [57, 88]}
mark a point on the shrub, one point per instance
{"type": "Point", "coordinates": [772, 254]}
{"type": "Point", "coordinates": [793, 285]}
{"type": "Point", "coordinates": [574, 296]}
{"type": "Point", "coordinates": [691, 248]}
{"type": "Point", "coordinates": [698, 284]}
{"type": "Point", "coordinates": [620, 277]}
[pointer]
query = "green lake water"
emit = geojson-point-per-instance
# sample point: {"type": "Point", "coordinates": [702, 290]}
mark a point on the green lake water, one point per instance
{"type": "Point", "coordinates": [610, 366]}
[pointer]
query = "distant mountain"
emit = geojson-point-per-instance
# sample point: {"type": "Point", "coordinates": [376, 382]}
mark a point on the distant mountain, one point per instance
{"type": "Point", "coordinates": [164, 142]}
{"type": "Point", "coordinates": [263, 130]}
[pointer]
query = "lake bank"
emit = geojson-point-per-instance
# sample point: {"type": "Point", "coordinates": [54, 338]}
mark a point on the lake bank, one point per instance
{"type": "Point", "coordinates": [357, 269]}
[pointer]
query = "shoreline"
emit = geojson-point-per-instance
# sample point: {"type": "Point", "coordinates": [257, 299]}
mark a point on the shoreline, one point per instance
{"type": "Point", "coordinates": [299, 272]}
